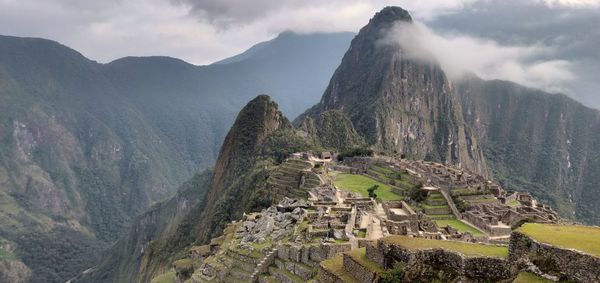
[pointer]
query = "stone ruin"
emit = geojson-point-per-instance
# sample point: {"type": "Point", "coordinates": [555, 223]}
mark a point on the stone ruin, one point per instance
{"type": "Point", "coordinates": [276, 221]}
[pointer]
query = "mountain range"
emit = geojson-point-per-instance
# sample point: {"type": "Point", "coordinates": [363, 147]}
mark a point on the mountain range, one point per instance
{"type": "Point", "coordinates": [377, 98]}
{"type": "Point", "coordinates": [85, 147]}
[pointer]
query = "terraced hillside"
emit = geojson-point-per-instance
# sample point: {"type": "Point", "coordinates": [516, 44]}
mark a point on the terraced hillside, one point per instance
{"type": "Point", "coordinates": [467, 197]}
{"type": "Point", "coordinates": [293, 177]}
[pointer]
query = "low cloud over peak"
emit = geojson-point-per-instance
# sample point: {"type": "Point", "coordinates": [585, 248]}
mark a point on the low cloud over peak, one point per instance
{"type": "Point", "coordinates": [460, 54]}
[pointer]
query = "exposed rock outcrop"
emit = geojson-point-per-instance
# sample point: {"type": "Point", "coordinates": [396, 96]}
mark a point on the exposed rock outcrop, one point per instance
{"type": "Point", "coordinates": [396, 103]}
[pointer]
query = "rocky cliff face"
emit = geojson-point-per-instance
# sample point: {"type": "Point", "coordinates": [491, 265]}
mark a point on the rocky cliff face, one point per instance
{"type": "Point", "coordinates": [259, 119]}
{"type": "Point", "coordinates": [332, 130]}
{"type": "Point", "coordinates": [399, 104]}
{"type": "Point", "coordinates": [544, 143]}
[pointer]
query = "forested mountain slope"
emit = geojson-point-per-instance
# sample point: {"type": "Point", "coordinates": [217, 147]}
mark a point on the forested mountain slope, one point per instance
{"type": "Point", "coordinates": [539, 142]}
{"type": "Point", "coordinates": [84, 147]}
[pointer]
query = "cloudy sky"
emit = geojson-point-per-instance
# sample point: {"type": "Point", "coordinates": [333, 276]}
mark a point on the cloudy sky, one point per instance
{"type": "Point", "coordinates": [550, 44]}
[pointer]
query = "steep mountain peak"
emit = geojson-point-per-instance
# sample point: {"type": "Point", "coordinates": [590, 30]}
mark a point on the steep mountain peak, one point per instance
{"type": "Point", "coordinates": [255, 122]}
{"type": "Point", "coordinates": [390, 15]}
{"type": "Point", "coordinates": [397, 103]}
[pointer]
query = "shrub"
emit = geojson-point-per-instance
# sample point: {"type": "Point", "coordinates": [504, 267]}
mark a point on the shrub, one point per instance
{"type": "Point", "coordinates": [372, 190]}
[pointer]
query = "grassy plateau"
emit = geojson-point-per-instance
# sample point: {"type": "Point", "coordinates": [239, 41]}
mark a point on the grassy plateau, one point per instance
{"type": "Point", "coordinates": [467, 249]}
{"type": "Point", "coordinates": [459, 225]}
{"type": "Point", "coordinates": [583, 238]}
{"type": "Point", "coordinates": [360, 184]}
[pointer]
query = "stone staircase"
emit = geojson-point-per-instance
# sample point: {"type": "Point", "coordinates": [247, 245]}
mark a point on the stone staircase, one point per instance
{"type": "Point", "coordinates": [451, 204]}
{"type": "Point", "coordinates": [264, 264]}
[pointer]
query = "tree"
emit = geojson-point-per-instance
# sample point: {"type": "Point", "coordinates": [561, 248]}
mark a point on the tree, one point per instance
{"type": "Point", "coordinates": [372, 190]}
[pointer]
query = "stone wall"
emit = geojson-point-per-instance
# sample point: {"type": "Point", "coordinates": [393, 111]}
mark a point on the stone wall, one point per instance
{"type": "Point", "coordinates": [325, 276]}
{"type": "Point", "coordinates": [487, 268]}
{"type": "Point", "coordinates": [572, 264]}
{"type": "Point", "coordinates": [482, 224]}
{"type": "Point", "coordinates": [479, 268]}
{"type": "Point", "coordinates": [359, 272]}
{"type": "Point", "coordinates": [310, 254]}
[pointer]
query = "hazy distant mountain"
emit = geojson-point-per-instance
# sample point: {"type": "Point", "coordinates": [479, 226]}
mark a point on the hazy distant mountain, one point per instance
{"type": "Point", "coordinates": [86, 146]}
{"type": "Point", "coordinates": [534, 141]}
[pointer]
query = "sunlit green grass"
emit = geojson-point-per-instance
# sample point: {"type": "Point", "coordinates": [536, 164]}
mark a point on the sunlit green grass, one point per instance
{"type": "Point", "coordinates": [467, 249]}
{"type": "Point", "coordinates": [583, 238]}
{"type": "Point", "coordinates": [335, 265]}
{"type": "Point", "coordinates": [359, 255]}
{"type": "Point", "coordinates": [458, 225]}
{"type": "Point", "coordinates": [360, 184]}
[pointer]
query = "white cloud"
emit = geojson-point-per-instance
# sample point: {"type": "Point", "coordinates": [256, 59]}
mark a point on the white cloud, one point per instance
{"type": "Point", "coordinates": [573, 3]}
{"type": "Point", "coordinates": [199, 32]}
{"type": "Point", "coordinates": [460, 54]}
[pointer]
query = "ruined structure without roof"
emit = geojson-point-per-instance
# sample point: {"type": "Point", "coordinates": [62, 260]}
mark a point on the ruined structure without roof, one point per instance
{"type": "Point", "coordinates": [332, 213]}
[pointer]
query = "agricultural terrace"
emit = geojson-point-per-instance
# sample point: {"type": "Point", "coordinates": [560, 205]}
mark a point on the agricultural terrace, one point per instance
{"type": "Point", "coordinates": [467, 249]}
{"type": "Point", "coordinates": [335, 265]}
{"type": "Point", "coordinates": [458, 225]}
{"type": "Point", "coordinates": [360, 184]}
{"type": "Point", "coordinates": [582, 238]}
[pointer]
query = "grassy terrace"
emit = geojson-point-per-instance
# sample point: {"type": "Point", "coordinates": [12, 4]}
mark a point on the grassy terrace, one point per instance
{"type": "Point", "coordinates": [467, 249]}
{"type": "Point", "coordinates": [360, 184]}
{"type": "Point", "coordinates": [526, 277]}
{"type": "Point", "coordinates": [359, 255]}
{"type": "Point", "coordinates": [335, 265]}
{"type": "Point", "coordinates": [386, 173]}
{"type": "Point", "coordinates": [458, 225]}
{"type": "Point", "coordinates": [583, 238]}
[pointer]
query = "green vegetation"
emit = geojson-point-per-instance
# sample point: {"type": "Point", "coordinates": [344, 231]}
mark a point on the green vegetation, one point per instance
{"type": "Point", "coordinates": [284, 142]}
{"type": "Point", "coordinates": [360, 184]}
{"type": "Point", "coordinates": [427, 206]}
{"type": "Point", "coordinates": [527, 277]}
{"type": "Point", "coordinates": [4, 255]}
{"type": "Point", "coordinates": [371, 191]}
{"type": "Point", "coordinates": [583, 238]}
{"type": "Point", "coordinates": [335, 265]}
{"type": "Point", "coordinates": [384, 170]}
{"type": "Point", "coordinates": [458, 225]}
{"type": "Point", "coordinates": [169, 277]}
{"type": "Point", "coordinates": [359, 255]}
{"type": "Point", "coordinates": [58, 254]}
{"type": "Point", "coordinates": [361, 234]}
{"type": "Point", "coordinates": [267, 243]}
{"type": "Point", "coordinates": [303, 226]}
{"type": "Point", "coordinates": [286, 273]}
{"type": "Point", "coordinates": [513, 203]}
{"type": "Point", "coordinates": [394, 274]}
{"type": "Point", "coordinates": [332, 129]}
{"type": "Point", "coordinates": [396, 178]}
{"type": "Point", "coordinates": [467, 249]}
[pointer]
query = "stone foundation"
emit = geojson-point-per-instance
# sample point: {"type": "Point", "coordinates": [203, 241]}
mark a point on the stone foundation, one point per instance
{"type": "Point", "coordinates": [359, 272]}
{"type": "Point", "coordinates": [479, 268]}
{"type": "Point", "coordinates": [572, 264]}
